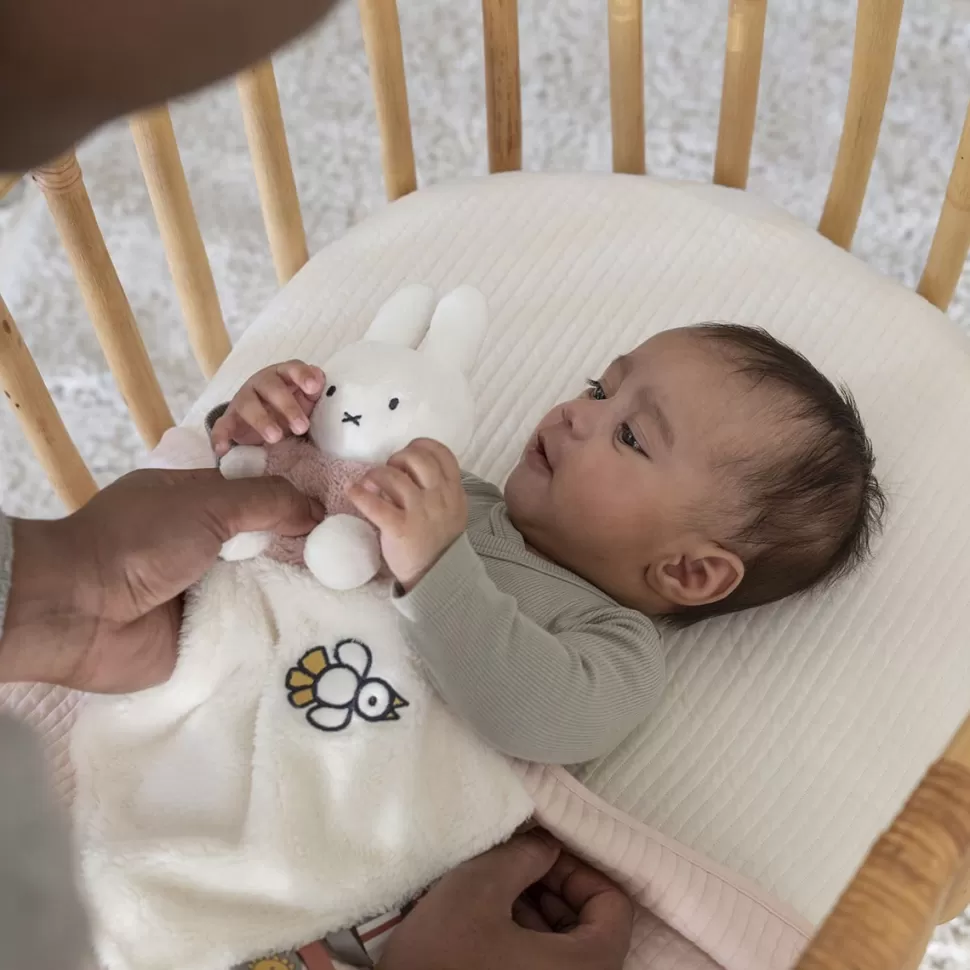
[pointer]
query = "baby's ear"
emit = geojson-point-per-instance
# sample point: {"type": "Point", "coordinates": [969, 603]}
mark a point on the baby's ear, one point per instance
{"type": "Point", "coordinates": [457, 329]}
{"type": "Point", "coordinates": [707, 574]}
{"type": "Point", "coordinates": [403, 318]}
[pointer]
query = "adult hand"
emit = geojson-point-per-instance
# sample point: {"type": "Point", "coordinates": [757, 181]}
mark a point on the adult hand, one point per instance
{"type": "Point", "coordinates": [525, 905]}
{"type": "Point", "coordinates": [67, 67]}
{"type": "Point", "coordinates": [95, 601]}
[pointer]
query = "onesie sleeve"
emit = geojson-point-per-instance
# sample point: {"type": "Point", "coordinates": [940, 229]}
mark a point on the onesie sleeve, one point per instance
{"type": "Point", "coordinates": [563, 694]}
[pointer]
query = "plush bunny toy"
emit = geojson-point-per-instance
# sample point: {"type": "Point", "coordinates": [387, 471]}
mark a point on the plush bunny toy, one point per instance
{"type": "Point", "coordinates": [382, 392]}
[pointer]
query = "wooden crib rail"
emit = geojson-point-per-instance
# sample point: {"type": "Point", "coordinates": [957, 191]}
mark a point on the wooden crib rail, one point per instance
{"type": "Point", "coordinates": [189, 265]}
{"type": "Point", "coordinates": [951, 241]}
{"type": "Point", "coordinates": [739, 91]}
{"type": "Point", "coordinates": [385, 57]}
{"type": "Point", "coordinates": [626, 86]}
{"type": "Point", "coordinates": [503, 90]}
{"type": "Point", "coordinates": [263, 120]}
{"type": "Point", "coordinates": [876, 31]}
{"type": "Point", "coordinates": [27, 394]}
{"type": "Point", "coordinates": [886, 915]}
{"type": "Point", "coordinates": [103, 296]}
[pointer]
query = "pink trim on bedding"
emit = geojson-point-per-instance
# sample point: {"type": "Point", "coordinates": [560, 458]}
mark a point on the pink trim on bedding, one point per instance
{"type": "Point", "coordinates": [694, 914]}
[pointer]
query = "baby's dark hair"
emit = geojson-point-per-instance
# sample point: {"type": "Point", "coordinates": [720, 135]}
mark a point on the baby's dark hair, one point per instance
{"type": "Point", "coordinates": [811, 506]}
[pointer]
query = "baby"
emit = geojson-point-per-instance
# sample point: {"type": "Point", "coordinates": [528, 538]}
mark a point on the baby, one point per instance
{"type": "Point", "coordinates": [710, 470]}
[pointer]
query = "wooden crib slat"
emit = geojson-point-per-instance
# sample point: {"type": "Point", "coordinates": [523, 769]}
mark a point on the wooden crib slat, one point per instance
{"type": "Point", "coordinates": [739, 93]}
{"type": "Point", "coordinates": [503, 92]}
{"type": "Point", "coordinates": [104, 297]}
{"type": "Point", "coordinates": [958, 898]}
{"type": "Point", "coordinates": [385, 57]}
{"type": "Point", "coordinates": [884, 917]}
{"type": "Point", "coordinates": [27, 393]}
{"type": "Point", "coordinates": [263, 120]}
{"type": "Point", "coordinates": [162, 166]}
{"type": "Point", "coordinates": [626, 86]}
{"type": "Point", "coordinates": [951, 241]}
{"type": "Point", "coordinates": [877, 28]}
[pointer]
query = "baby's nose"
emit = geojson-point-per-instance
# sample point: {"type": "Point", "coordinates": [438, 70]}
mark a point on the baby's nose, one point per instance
{"type": "Point", "coordinates": [580, 417]}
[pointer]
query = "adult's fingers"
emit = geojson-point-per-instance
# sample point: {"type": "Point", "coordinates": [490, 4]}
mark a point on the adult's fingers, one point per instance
{"type": "Point", "coordinates": [506, 871]}
{"type": "Point", "coordinates": [528, 917]}
{"type": "Point", "coordinates": [556, 913]}
{"type": "Point", "coordinates": [605, 913]}
{"type": "Point", "coordinates": [256, 505]}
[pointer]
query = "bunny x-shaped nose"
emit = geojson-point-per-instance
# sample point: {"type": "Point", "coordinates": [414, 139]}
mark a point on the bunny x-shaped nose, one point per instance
{"type": "Point", "coordinates": [349, 418]}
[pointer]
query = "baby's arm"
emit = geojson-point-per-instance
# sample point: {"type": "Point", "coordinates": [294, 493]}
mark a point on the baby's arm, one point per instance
{"type": "Point", "coordinates": [559, 698]}
{"type": "Point", "coordinates": [275, 401]}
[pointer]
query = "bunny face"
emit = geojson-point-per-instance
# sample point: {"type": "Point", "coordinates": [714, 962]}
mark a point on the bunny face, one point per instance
{"type": "Point", "coordinates": [382, 393]}
{"type": "Point", "coordinates": [380, 397]}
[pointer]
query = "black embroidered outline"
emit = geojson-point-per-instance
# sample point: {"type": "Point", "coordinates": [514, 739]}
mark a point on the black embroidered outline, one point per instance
{"type": "Point", "coordinates": [353, 706]}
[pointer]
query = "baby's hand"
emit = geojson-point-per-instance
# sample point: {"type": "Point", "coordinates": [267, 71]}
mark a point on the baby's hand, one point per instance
{"type": "Point", "coordinates": [417, 504]}
{"type": "Point", "coordinates": [272, 402]}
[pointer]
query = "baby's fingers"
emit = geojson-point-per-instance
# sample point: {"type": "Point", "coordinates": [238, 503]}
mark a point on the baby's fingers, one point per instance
{"type": "Point", "coordinates": [279, 396]}
{"type": "Point", "coordinates": [253, 412]}
{"type": "Point", "coordinates": [397, 485]}
{"type": "Point", "coordinates": [419, 465]}
{"type": "Point", "coordinates": [229, 429]}
{"type": "Point", "coordinates": [309, 379]}
{"type": "Point", "coordinates": [377, 509]}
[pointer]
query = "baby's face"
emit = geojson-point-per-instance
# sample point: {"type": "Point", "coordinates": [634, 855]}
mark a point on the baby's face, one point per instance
{"type": "Point", "coordinates": [622, 486]}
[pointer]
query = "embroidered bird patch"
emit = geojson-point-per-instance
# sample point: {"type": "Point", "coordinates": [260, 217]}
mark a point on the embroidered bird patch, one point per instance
{"type": "Point", "coordinates": [333, 690]}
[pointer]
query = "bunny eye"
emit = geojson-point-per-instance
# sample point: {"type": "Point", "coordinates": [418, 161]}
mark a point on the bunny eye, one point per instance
{"type": "Point", "coordinates": [393, 403]}
{"type": "Point", "coordinates": [331, 390]}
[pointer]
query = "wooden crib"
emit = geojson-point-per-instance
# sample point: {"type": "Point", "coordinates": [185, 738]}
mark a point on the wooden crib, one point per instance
{"type": "Point", "coordinates": [918, 873]}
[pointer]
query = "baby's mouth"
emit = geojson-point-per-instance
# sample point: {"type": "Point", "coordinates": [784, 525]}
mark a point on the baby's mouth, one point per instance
{"type": "Point", "coordinates": [540, 450]}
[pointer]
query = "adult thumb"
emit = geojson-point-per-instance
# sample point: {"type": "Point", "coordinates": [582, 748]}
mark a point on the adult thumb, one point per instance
{"type": "Point", "coordinates": [261, 505]}
{"type": "Point", "coordinates": [515, 865]}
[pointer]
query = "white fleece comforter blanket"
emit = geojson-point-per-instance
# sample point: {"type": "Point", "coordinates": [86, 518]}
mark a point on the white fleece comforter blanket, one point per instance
{"type": "Point", "coordinates": [295, 776]}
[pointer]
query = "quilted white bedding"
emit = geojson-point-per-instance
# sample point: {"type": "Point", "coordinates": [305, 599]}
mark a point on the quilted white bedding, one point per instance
{"type": "Point", "coordinates": [788, 737]}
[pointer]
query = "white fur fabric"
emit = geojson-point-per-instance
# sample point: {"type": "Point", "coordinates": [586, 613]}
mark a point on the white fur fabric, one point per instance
{"type": "Point", "coordinates": [219, 822]}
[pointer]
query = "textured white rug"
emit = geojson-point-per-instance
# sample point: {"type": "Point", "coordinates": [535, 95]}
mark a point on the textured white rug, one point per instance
{"type": "Point", "coordinates": [333, 139]}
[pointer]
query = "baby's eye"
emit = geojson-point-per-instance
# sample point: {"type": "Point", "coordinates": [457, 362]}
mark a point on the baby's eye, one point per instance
{"type": "Point", "coordinates": [331, 390]}
{"type": "Point", "coordinates": [596, 391]}
{"type": "Point", "coordinates": [393, 403]}
{"type": "Point", "coordinates": [628, 438]}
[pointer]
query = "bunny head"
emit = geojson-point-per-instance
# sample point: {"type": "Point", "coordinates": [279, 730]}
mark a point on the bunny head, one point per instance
{"type": "Point", "coordinates": [393, 386]}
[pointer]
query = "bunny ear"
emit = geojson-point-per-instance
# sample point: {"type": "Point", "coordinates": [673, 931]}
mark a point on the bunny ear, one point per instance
{"type": "Point", "coordinates": [457, 328]}
{"type": "Point", "coordinates": [403, 317]}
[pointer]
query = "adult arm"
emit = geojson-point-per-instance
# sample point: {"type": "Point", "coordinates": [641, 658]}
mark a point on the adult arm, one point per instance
{"type": "Point", "coordinates": [67, 66]}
